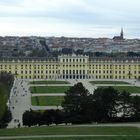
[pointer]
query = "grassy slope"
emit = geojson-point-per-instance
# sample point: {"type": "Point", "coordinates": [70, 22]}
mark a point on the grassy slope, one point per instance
{"type": "Point", "coordinates": [47, 100]}
{"type": "Point", "coordinates": [89, 138]}
{"type": "Point", "coordinates": [59, 130]}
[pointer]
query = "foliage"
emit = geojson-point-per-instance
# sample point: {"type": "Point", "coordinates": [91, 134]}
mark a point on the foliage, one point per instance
{"type": "Point", "coordinates": [105, 104]}
{"type": "Point", "coordinates": [6, 82]}
{"type": "Point", "coordinates": [33, 118]}
{"type": "Point", "coordinates": [131, 89]}
{"type": "Point", "coordinates": [136, 107]}
{"type": "Point", "coordinates": [39, 53]}
{"type": "Point", "coordinates": [76, 102]}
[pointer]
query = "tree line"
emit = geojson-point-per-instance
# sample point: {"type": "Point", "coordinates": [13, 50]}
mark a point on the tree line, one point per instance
{"type": "Point", "coordinates": [79, 106]}
{"type": "Point", "coordinates": [6, 82]}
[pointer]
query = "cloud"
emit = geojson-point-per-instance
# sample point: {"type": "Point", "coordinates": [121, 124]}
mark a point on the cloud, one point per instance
{"type": "Point", "coordinates": [69, 17]}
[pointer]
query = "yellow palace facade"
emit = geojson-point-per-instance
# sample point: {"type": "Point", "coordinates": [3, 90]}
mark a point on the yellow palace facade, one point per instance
{"type": "Point", "coordinates": [72, 67]}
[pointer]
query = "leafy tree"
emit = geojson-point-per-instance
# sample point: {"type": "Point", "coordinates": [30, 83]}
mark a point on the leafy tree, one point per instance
{"type": "Point", "coordinates": [3, 98]}
{"type": "Point", "coordinates": [105, 102]}
{"type": "Point", "coordinates": [79, 52]}
{"type": "Point", "coordinates": [31, 118]}
{"type": "Point", "coordinates": [39, 52]}
{"type": "Point", "coordinates": [7, 117]}
{"type": "Point", "coordinates": [6, 82]}
{"type": "Point", "coordinates": [67, 50]}
{"type": "Point", "coordinates": [77, 100]}
{"type": "Point", "coordinates": [125, 104]}
{"type": "Point", "coordinates": [136, 107]}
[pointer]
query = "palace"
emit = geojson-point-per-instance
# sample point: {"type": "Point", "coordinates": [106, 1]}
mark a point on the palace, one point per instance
{"type": "Point", "coordinates": [72, 67]}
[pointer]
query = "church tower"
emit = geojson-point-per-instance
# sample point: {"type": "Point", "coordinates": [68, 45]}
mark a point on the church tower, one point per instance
{"type": "Point", "coordinates": [121, 34]}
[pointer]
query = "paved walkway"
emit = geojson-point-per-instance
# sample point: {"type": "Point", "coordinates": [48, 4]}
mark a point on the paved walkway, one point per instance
{"type": "Point", "coordinates": [19, 101]}
{"type": "Point", "coordinates": [62, 136]}
{"type": "Point", "coordinates": [45, 107]}
{"type": "Point", "coordinates": [50, 85]}
{"type": "Point", "coordinates": [48, 94]}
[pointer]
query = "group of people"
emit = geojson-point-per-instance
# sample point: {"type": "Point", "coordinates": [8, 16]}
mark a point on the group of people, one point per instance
{"type": "Point", "coordinates": [18, 90]}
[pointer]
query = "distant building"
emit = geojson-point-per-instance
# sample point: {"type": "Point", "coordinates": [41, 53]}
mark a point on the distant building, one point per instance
{"type": "Point", "coordinates": [119, 38]}
{"type": "Point", "coordinates": [72, 67]}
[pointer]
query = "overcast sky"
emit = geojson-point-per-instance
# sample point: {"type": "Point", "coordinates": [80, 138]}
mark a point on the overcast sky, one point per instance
{"type": "Point", "coordinates": [73, 18]}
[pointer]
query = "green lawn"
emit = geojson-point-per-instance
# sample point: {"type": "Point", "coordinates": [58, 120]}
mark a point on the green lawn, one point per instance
{"type": "Point", "coordinates": [49, 89]}
{"type": "Point", "coordinates": [108, 82]}
{"type": "Point", "coordinates": [47, 100]}
{"type": "Point", "coordinates": [89, 138]}
{"type": "Point", "coordinates": [66, 130]}
{"type": "Point", "coordinates": [130, 89]}
{"type": "Point", "coordinates": [49, 82]}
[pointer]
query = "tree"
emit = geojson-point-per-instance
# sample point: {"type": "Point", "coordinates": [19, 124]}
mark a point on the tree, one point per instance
{"type": "Point", "coordinates": [136, 108]}
{"type": "Point", "coordinates": [31, 118]}
{"type": "Point", "coordinates": [79, 52]}
{"type": "Point", "coordinates": [6, 82]}
{"type": "Point", "coordinates": [125, 104]}
{"type": "Point", "coordinates": [105, 104]}
{"type": "Point", "coordinates": [76, 102]}
{"type": "Point", "coordinates": [3, 98]}
{"type": "Point", "coordinates": [7, 117]}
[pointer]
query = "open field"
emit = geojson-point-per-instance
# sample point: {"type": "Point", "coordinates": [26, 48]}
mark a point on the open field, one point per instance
{"type": "Point", "coordinates": [130, 89]}
{"type": "Point", "coordinates": [70, 130]}
{"type": "Point", "coordinates": [49, 89]}
{"type": "Point", "coordinates": [49, 82]}
{"type": "Point", "coordinates": [108, 82]}
{"type": "Point", "coordinates": [47, 100]}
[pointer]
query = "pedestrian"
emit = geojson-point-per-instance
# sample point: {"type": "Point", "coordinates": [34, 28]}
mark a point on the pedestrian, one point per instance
{"type": "Point", "coordinates": [18, 125]}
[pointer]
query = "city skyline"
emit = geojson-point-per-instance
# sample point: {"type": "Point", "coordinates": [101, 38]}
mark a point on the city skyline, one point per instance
{"type": "Point", "coordinates": [70, 18]}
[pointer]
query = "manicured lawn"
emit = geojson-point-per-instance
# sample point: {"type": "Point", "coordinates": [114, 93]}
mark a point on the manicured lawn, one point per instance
{"type": "Point", "coordinates": [49, 82]}
{"type": "Point", "coordinates": [49, 89]}
{"type": "Point", "coordinates": [47, 100]}
{"type": "Point", "coordinates": [89, 138]}
{"type": "Point", "coordinates": [130, 89]}
{"type": "Point", "coordinates": [108, 82]}
{"type": "Point", "coordinates": [66, 130]}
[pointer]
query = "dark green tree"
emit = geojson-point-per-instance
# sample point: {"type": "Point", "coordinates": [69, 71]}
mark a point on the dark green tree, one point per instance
{"type": "Point", "coordinates": [125, 104]}
{"type": "Point", "coordinates": [105, 103]}
{"type": "Point", "coordinates": [31, 118]}
{"type": "Point", "coordinates": [6, 82]}
{"type": "Point", "coordinates": [136, 108]}
{"type": "Point", "coordinates": [76, 102]}
{"type": "Point", "coordinates": [7, 117]}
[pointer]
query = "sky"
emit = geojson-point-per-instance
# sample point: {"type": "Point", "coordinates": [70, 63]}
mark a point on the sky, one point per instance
{"type": "Point", "coordinates": [70, 18]}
